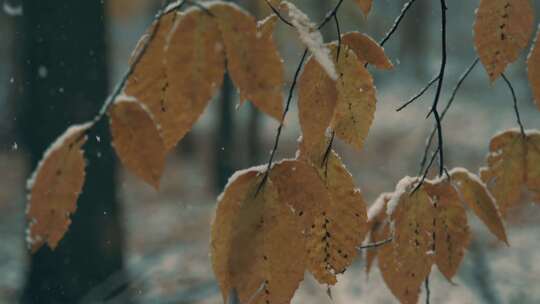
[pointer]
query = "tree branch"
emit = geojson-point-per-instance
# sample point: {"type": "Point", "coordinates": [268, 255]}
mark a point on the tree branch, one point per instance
{"type": "Point", "coordinates": [396, 23]}
{"type": "Point", "coordinates": [419, 94]}
{"type": "Point", "coordinates": [516, 109]}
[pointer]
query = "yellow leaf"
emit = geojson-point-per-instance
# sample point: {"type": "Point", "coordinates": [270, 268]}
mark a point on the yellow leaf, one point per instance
{"type": "Point", "coordinates": [317, 96]}
{"type": "Point", "coordinates": [137, 140]}
{"type": "Point", "coordinates": [533, 68]}
{"type": "Point", "coordinates": [194, 64]}
{"type": "Point", "coordinates": [253, 60]}
{"type": "Point", "coordinates": [377, 227]}
{"type": "Point", "coordinates": [355, 107]}
{"type": "Point", "coordinates": [475, 194]}
{"type": "Point", "coordinates": [54, 188]}
{"type": "Point", "coordinates": [505, 172]}
{"type": "Point", "coordinates": [346, 106]}
{"type": "Point", "coordinates": [148, 82]}
{"type": "Point", "coordinates": [501, 31]}
{"type": "Point", "coordinates": [406, 262]}
{"type": "Point", "coordinates": [330, 209]}
{"type": "Point", "coordinates": [257, 247]}
{"type": "Point", "coordinates": [452, 233]}
{"type": "Point", "coordinates": [365, 6]}
{"type": "Point", "coordinates": [367, 50]}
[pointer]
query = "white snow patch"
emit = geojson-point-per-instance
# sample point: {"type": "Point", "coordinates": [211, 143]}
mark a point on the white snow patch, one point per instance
{"type": "Point", "coordinates": [12, 10]}
{"type": "Point", "coordinates": [42, 71]}
{"type": "Point", "coordinates": [236, 175]}
{"type": "Point", "coordinates": [312, 39]}
{"type": "Point", "coordinates": [401, 188]}
{"type": "Point", "coordinates": [379, 205]}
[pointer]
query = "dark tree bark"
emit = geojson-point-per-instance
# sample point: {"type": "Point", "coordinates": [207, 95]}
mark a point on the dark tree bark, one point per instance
{"type": "Point", "coordinates": [65, 82]}
{"type": "Point", "coordinates": [224, 136]}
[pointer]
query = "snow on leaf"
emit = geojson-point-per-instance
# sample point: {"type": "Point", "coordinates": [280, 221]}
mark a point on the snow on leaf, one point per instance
{"type": "Point", "coordinates": [253, 60]}
{"type": "Point", "coordinates": [452, 232]}
{"type": "Point", "coordinates": [405, 262]}
{"type": "Point", "coordinates": [377, 227]}
{"type": "Point", "coordinates": [365, 6]}
{"type": "Point", "coordinates": [501, 31]}
{"type": "Point", "coordinates": [474, 193]}
{"type": "Point", "coordinates": [331, 212]}
{"type": "Point", "coordinates": [256, 241]}
{"type": "Point", "coordinates": [54, 188]}
{"type": "Point", "coordinates": [533, 68]}
{"type": "Point", "coordinates": [194, 64]}
{"type": "Point", "coordinates": [367, 50]}
{"type": "Point", "coordinates": [311, 38]}
{"type": "Point", "coordinates": [137, 140]}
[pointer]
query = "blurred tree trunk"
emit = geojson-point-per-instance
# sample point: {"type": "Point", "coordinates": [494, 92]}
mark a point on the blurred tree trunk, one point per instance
{"type": "Point", "coordinates": [224, 140]}
{"type": "Point", "coordinates": [65, 82]}
{"type": "Point", "coordinates": [415, 38]}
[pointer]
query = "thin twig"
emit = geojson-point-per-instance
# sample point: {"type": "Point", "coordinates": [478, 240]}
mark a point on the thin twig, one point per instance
{"type": "Point", "coordinates": [281, 123]}
{"type": "Point", "coordinates": [338, 30]}
{"type": "Point", "coordinates": [396, 23]}
{"type": "Point", "coordinates": [276, 11]}
{"type": "Point", "coordinates": [419, 94]}
{"type": "Point", "coordinates": [375, 245]}
{"type": "Point", "coordinates": [434, 109]}
{"type": "Point", "coordinates": [428, 291]}
{"type": "Point", "coordinates": [330, 15]}
{"type": "Point", "coordinates": [445, 110]}
{"type": "Point", "coordinates": [424, 175]}
{"type": "Point", "coordinates": [516, 109]}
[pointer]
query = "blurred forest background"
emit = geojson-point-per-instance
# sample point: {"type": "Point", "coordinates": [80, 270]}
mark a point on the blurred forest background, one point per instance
{"type": "Point", "coordinates": [161, 238]}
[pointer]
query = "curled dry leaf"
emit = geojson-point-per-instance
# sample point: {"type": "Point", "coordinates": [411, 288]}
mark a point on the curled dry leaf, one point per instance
{"type": "Point", "coordinates": [533, 68]}
{"type": "Point", "coordinates": [311, 38]}
{"type": "Point", "coordinates": [451, 234]}
{"type": "Point", "coordinates": [377, 227]}
{"type": "Point", "coordinates": [502, 30]}
{"type": "Point", "coordinates": [512, 165]}
{"type": "Point", "coordinates": [256, 242]}
{"type": "Point", "coordinates": [475, 194]}
{"type": "Point", "coordinates": [330, 209]}
{"type": "Point", "coordinates": [367, 50]}
{"type": "Point", "coordinates": [137, 140]}
{"type": "Point", "coordinates": [406, 262]}
{"type": "Point", "coordinates": [253, 59]}
{"type": "Point", "coordinates": [179, 72]}
{"type": "Point", "coordinates": [55, 187]}
{"type": "Point", "coordinates": [194, 65]}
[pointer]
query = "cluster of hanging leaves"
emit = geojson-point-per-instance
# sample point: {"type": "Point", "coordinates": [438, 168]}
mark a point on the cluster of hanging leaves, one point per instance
{"type": "Point", "coordinates": [304, 214]}
{"type": "Point", "coordinates": [427, 224]}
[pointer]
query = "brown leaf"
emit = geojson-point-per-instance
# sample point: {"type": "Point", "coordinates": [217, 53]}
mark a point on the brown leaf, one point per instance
{"type": "Point", "coordinates": [365, 6]}
{"type": "Point", "coordinates": [194, 65]}
{"type": "Point", "coordinates": [505, 171]}
{"type": "Point", "coordinates": [356, 103]}
{"type": "Point", "coordinates": [331, 210]}
{"type": "Point", "coordinates": [501, 31]}
{"type": "Point", "coordinates": [367, 50]}
{"type": "Point", "coordinates": [533, 68]}
{"type": "Point", "coordinates": [256, 242]}
{"type": "Point", "coordinates": [532, 168]}
{"type": "Point", "coordinates": [406, 262]}
{"type": "Point", "coordinates": [377, 227]}
{"type": "Point", "coordinates": [54, 188]}
{"type": "Point", "coordinates": [137, 140]}
{"type": "Point", "coordinates": [475, 194]}
{"type": "Point", "coordinates": [452, 233]}
{"type": "Point", "coordinates": [148, 82]}
{"type": "Point", "coordinates": [253, 60]}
